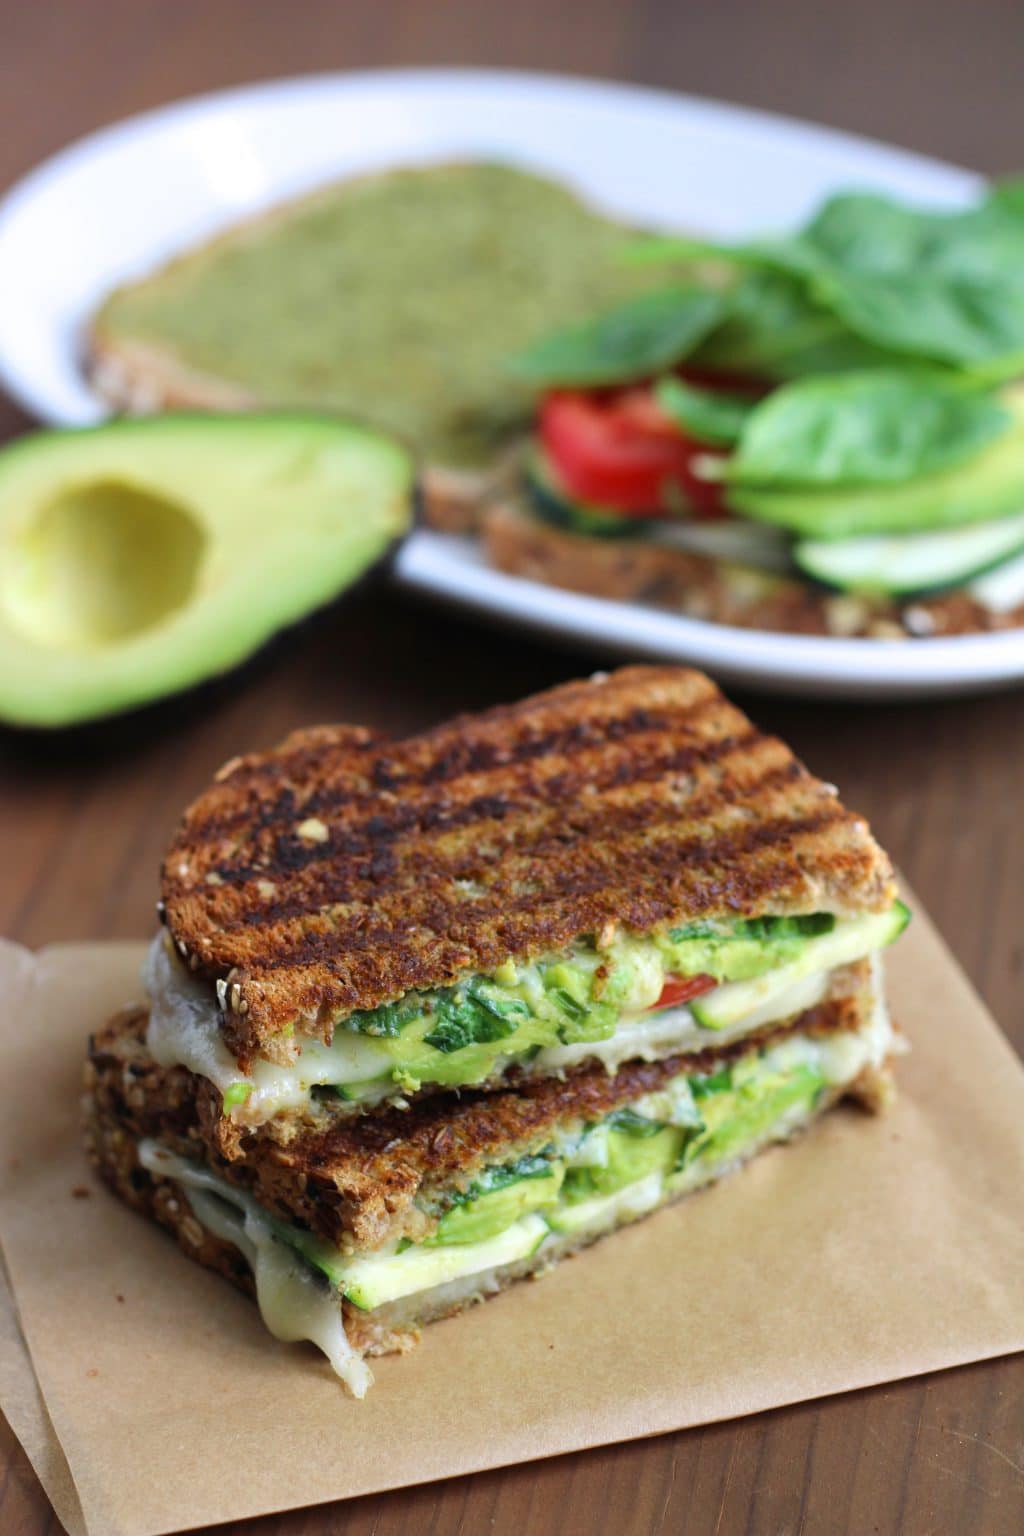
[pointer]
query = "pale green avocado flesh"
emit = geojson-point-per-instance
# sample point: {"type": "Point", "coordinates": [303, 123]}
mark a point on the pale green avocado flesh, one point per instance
{"type": "Point", "coordinates": [140, 558]}
{"type": "Point", "coordinates": [397, 299]}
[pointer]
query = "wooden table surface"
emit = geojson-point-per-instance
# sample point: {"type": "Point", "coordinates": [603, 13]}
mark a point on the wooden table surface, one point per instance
{"type": "Point", "coordinates": [82, 826]}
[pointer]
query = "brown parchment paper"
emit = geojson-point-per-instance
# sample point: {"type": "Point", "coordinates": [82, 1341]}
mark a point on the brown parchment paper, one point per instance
{"type": "Point", "coordinates": [868, 1250]}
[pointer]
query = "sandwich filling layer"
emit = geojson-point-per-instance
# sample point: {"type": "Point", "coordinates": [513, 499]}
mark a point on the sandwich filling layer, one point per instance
{"type": "Point", "coordinates": [633, 999]}
{"type": "Point", "coordinates": [519, 1216]}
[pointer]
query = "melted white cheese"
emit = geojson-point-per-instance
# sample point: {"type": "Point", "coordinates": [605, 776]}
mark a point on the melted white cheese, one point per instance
{"type": "Point", "coordinates": [293, 1303]}
{"type": "Point", "coordinates": [184, 1029]}
{"type": "Point", "coordinates": [841, 1057]}
{"type": "Point", "coordinates": [653, 1035]}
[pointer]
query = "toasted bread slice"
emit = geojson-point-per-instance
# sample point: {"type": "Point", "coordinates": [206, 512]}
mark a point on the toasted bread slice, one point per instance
{"type": "Point", "coordinates": [337, 873]}
{"type": "Point", "coordinates": [394, 1328]}
{"type": "Point", "coordinates": [358, 1188]}
{"type": "Point", "coordinates": [397, 297]}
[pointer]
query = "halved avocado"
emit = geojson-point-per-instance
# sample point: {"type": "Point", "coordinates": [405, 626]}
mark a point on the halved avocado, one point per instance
{"type": "Point", "coordinates": [140, 558]}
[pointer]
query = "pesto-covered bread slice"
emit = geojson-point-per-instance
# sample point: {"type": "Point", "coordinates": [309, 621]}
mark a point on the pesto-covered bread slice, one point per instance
{"type": "Point", "coordinates": [397, 298]}
{"type": "Point", "coordinates": [354, 1234]}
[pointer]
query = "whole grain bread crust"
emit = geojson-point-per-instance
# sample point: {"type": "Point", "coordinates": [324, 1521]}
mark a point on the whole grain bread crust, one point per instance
{"type": "Point", "coordinates": [337, 872]}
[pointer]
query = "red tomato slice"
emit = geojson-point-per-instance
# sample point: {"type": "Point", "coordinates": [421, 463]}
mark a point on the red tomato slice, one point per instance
{"type": "Point", "coordinates": [618, 449]}
{"type": "Point", "coordinates": [680, 989]}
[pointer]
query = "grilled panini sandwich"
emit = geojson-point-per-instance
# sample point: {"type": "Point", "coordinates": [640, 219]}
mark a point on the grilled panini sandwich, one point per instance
{"type": "Point", "coordinates": [636, 935]}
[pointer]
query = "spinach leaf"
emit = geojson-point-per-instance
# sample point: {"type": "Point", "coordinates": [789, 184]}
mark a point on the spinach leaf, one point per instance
{"type": "Point", "coordinates": [503, 1174]}
{"type": "Point", "coordinates": [965, 322]}
{"type": "Point", "coordinates": [1008, 196]}
{"type": "Point", "coordinates": [698, 930]}
{"type": "Point", "coordinates": [387, 1021]}
{"type": "Point", "coordinates": [715, 1082]}
{"type": "Point", "coordinates": [708, 415]}
{"type": "Point", "coordinates": [785, 927]}
{"type": "Point", "coordinates": [774, 329]}
{"type": "Point", "coordinates": [864, 232]}
{"type": "Point", "coordinates": [881, 427]}
{"type": "Point", "coordinates": [567, 1004]}
{"type": "Point", "coordinates": [946, 286]}
{"type": "Point", "coordinates": [643, 336]}
{"type": "Point", "coordinates": [632, 1124]}
{"type": "Point", "coordinates": [470, 1015]}
{"type": "Point", "coordinates": [940, 285]}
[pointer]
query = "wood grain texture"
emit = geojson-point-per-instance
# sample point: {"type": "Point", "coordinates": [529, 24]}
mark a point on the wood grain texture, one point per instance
{"type": "Point", "coordinates": [83, 821]}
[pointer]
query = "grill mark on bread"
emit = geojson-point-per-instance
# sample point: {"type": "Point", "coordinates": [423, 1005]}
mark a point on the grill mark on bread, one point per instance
{"type": "Point", "coordinates": [374, 837]}
{"type": "Point", "coordinates": [461, 759]}
{"type": "Point", "coordinates": [339, 871]}
{"type": "Point", "coordinates": [562, 880]}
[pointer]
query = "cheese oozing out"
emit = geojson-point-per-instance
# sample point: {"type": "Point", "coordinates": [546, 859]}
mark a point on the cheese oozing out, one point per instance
{"type": "Point", "coordinates": [298, 1303]}
{"type": "Point", "coordinates": [293, 1303]}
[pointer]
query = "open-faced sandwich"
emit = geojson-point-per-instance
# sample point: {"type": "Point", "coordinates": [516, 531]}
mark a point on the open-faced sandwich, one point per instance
{"type": "Point", "coordinates": [823, 435]}
{"type": "Point", "coordinates": [818, 432]}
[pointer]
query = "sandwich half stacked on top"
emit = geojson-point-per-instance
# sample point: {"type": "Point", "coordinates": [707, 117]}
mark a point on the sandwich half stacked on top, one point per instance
{"type": "Point", "coordinates": [635, 935]}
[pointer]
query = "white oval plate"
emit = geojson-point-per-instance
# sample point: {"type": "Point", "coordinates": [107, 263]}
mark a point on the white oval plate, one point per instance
{"type": "Point", "coordinates": [122, 200]}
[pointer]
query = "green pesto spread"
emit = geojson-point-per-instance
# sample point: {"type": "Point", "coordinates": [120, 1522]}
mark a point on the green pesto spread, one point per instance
{"type": "Point", "coordinates": [397, 299]}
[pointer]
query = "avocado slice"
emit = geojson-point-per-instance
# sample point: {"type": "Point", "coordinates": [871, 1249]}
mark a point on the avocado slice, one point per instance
{"type": "Point", "coordinates": [631, 1157]}
{"type": "Point", "coordinates": [371, 1279]}
{"type": "Point", "coordinates": [990, 485]}
{"type": "Point", "coordinates": [140, 558]}
{"type": "Point", "coordinates": [737, 1120]}
{"type": "Point", "coordinates": [601, 1212]}
{"type": "Point", "coordinates": [750, 948]}
{"type": "Point", "coordinates": [494, 1209]}
{"type": "Point", "coordinates": [849, 940]}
